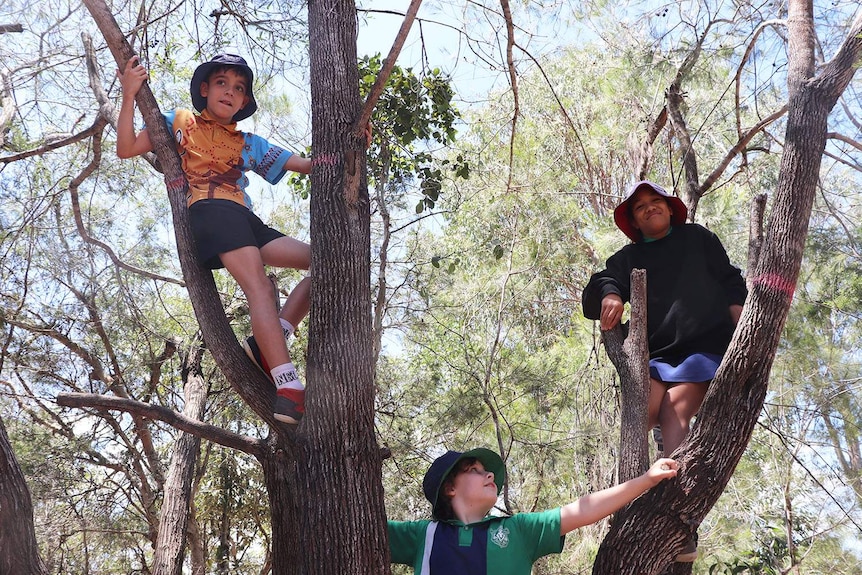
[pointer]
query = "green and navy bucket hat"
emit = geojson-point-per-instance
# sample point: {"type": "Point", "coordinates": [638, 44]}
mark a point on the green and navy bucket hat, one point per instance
{"type": "Point", "coordinates": [441, 467]}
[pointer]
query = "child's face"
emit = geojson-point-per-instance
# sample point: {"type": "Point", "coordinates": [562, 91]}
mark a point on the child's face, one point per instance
{"type": "Point", "coordinates": [226, 92]}
{"type": "Point", "coordinates": [651, 214]}
{"type": "Point", "coordinates": [474, 487]}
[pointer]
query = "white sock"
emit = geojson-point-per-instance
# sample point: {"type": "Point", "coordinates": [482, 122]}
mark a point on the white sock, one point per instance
{"type": "Point", "coordinates": [286, 327]}
{"type": "Point", "coordinates": [285, 375]}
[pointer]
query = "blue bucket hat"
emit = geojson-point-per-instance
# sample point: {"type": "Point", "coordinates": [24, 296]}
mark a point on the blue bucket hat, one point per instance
{"type": "Point", "coordinates": [203, 72]}
{"type": "Point", "coordinates": [623, 217]}
{"type": "Point", "coordinates": [441, 467]}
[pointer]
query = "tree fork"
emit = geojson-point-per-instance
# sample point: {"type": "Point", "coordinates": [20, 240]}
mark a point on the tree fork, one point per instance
{"type": "Point", "coordinates": [245, 378]}
{"type": "Point", "coordinates": [735, 398]}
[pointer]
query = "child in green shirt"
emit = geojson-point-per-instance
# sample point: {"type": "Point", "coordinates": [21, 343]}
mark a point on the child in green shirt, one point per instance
{"type": "Point", "coordinates": [463, 539]}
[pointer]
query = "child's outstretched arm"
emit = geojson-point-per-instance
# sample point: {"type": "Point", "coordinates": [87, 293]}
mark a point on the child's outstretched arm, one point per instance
{"type": "Point", "coordinates": [129, 144]}
{"type": "Point", "coordinates": [297, 163]}
{"type": "Point", "coordinates": [302, 165]}
{"type": "Point", "coordinates": [595, 506]}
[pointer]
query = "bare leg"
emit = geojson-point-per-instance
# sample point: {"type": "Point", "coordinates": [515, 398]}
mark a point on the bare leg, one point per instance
{"type": "Point", "coordinates": [298, 303]}
{"type": "Point", "coordinates": [246, 266]}
{"type": "Point", "coordinates": [657, 389]}
{"type": "Point", "coordinates": [679, 404]}
{"type": "Point", "coordinates": [288, 252]}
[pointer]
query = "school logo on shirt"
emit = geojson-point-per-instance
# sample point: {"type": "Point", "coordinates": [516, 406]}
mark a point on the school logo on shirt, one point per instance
{"type": "Point", "coordinates": [500, 536]}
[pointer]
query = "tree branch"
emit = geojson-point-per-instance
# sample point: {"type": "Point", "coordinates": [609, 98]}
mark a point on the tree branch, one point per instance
{"type": "Point", "coordinates": [107, 109]}
{"type": "Point", "coordinates": [513, 80]}
{"type": "Point", "coordinates": [53, 145]}
{"type": "Point", "coordinates": [7, 104]}
{"type": "Point", "coordinates": [244, 443]}
{"type": "Point", "coordinates": [565, 113]}
{"type": "Point", "coordinates": [755, 230]}
{"type": "Point", "coordinates": [737, 80]}
{"type": "Point", "coordinates": [79, 221]}
{"type": "Point", "coordinates": [385, 70]}
{"type": "Point", "coordinates": [738, 148]}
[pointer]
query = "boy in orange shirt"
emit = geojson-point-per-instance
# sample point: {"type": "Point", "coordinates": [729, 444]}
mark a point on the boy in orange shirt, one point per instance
{"type": "Point", "coordinates": [215, 157]}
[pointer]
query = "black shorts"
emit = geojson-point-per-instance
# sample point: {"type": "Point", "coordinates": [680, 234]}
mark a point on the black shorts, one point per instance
{"type": "Point", "coordinates": [220, 226]}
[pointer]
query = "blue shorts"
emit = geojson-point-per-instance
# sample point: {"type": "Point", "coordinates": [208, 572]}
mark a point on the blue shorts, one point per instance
{"type": "Point", "coordinates": [694, 368]}
{"type": "Point", "coordinates": [221, 226]}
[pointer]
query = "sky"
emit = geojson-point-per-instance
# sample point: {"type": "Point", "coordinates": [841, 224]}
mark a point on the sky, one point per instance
{"type": "Point", "coordinates": [434, 40]}
{"type": "Point", "coordinates": [472, 53]}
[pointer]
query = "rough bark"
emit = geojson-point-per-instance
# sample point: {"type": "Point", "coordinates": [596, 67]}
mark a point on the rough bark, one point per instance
{"type": "Point", "coordinates": [20, 553]}
{"type": "Point", "coordinates": [174, 518]}
{"type": "Point", "coordinates": [344, 530]}
{"type": "Point", "coordinates": [7, 105]}
{"type": "Point", "coordinates": [196, 544]}
{"type": "Point", "coordinates": [629, 354]}
{"type": "Point", "coordinates": [730, 410]}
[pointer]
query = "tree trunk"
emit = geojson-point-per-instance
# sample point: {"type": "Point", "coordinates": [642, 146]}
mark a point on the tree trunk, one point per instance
{"type": "Point", "coordinates": [19, 553]}
{"type": "Point", "coordinates": [735, 398]}
{"type": "Point", "coordinates": [174, 518]}
{"type": "Point", "coordinates": [196, 544]}
{"type": "Point", "coordinates": [344, 528]}
{"type": "Point", "coordinates": [630, 355]}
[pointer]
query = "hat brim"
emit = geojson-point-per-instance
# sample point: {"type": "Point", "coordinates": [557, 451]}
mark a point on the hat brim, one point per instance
{"type": "Point", "coordinates": [200, 76]}
{"type": "Point", "coordinates": [489, 459]}
{"type": "Point", "coordinates": [622, 214]}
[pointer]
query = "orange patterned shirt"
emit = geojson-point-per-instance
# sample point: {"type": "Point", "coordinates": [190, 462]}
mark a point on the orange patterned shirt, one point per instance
{"type": "Point", "coordinates": [216, 157]}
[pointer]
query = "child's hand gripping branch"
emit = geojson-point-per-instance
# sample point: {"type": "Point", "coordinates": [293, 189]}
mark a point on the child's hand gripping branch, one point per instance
{"type": "Point", "coordinates": [216, 158]}
{"type": "Point", "coordinates": [132, 77]}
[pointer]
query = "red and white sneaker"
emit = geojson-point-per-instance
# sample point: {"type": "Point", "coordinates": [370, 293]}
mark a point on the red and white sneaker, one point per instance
{"type": "Point", "coordinates": [289, 405]}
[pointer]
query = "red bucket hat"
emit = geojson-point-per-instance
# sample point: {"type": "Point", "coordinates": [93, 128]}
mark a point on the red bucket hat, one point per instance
{"type": "Point", "coordinates": [623, 217]}
{"type": "Point", "coordinates": [203, 71]}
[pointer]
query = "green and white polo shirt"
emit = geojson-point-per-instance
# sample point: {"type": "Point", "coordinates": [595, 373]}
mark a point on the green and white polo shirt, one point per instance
{"type": "Point", "coordinates": [493, 546]}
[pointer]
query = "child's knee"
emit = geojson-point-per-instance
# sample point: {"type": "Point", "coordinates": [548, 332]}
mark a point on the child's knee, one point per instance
{"type": "Point", "coordinates": [260, 291]}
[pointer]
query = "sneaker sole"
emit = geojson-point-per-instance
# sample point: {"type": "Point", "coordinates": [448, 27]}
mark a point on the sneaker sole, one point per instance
{"type": "Point", "coordinates": [286, 418]}
{"type": "Point", "coordinates": [688, 557]}
{"type": "Point", "coordinates": [285, 410]}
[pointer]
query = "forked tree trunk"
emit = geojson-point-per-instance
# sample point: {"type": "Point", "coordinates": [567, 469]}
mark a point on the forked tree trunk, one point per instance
{"type": "Point", "coordinates": [646, 536]}
{"type": "Point", "coordinates": [324, 478]}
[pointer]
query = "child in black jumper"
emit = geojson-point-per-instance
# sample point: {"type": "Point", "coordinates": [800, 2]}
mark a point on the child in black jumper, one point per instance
{"type": "Point", "coordinates": [694, 300]}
